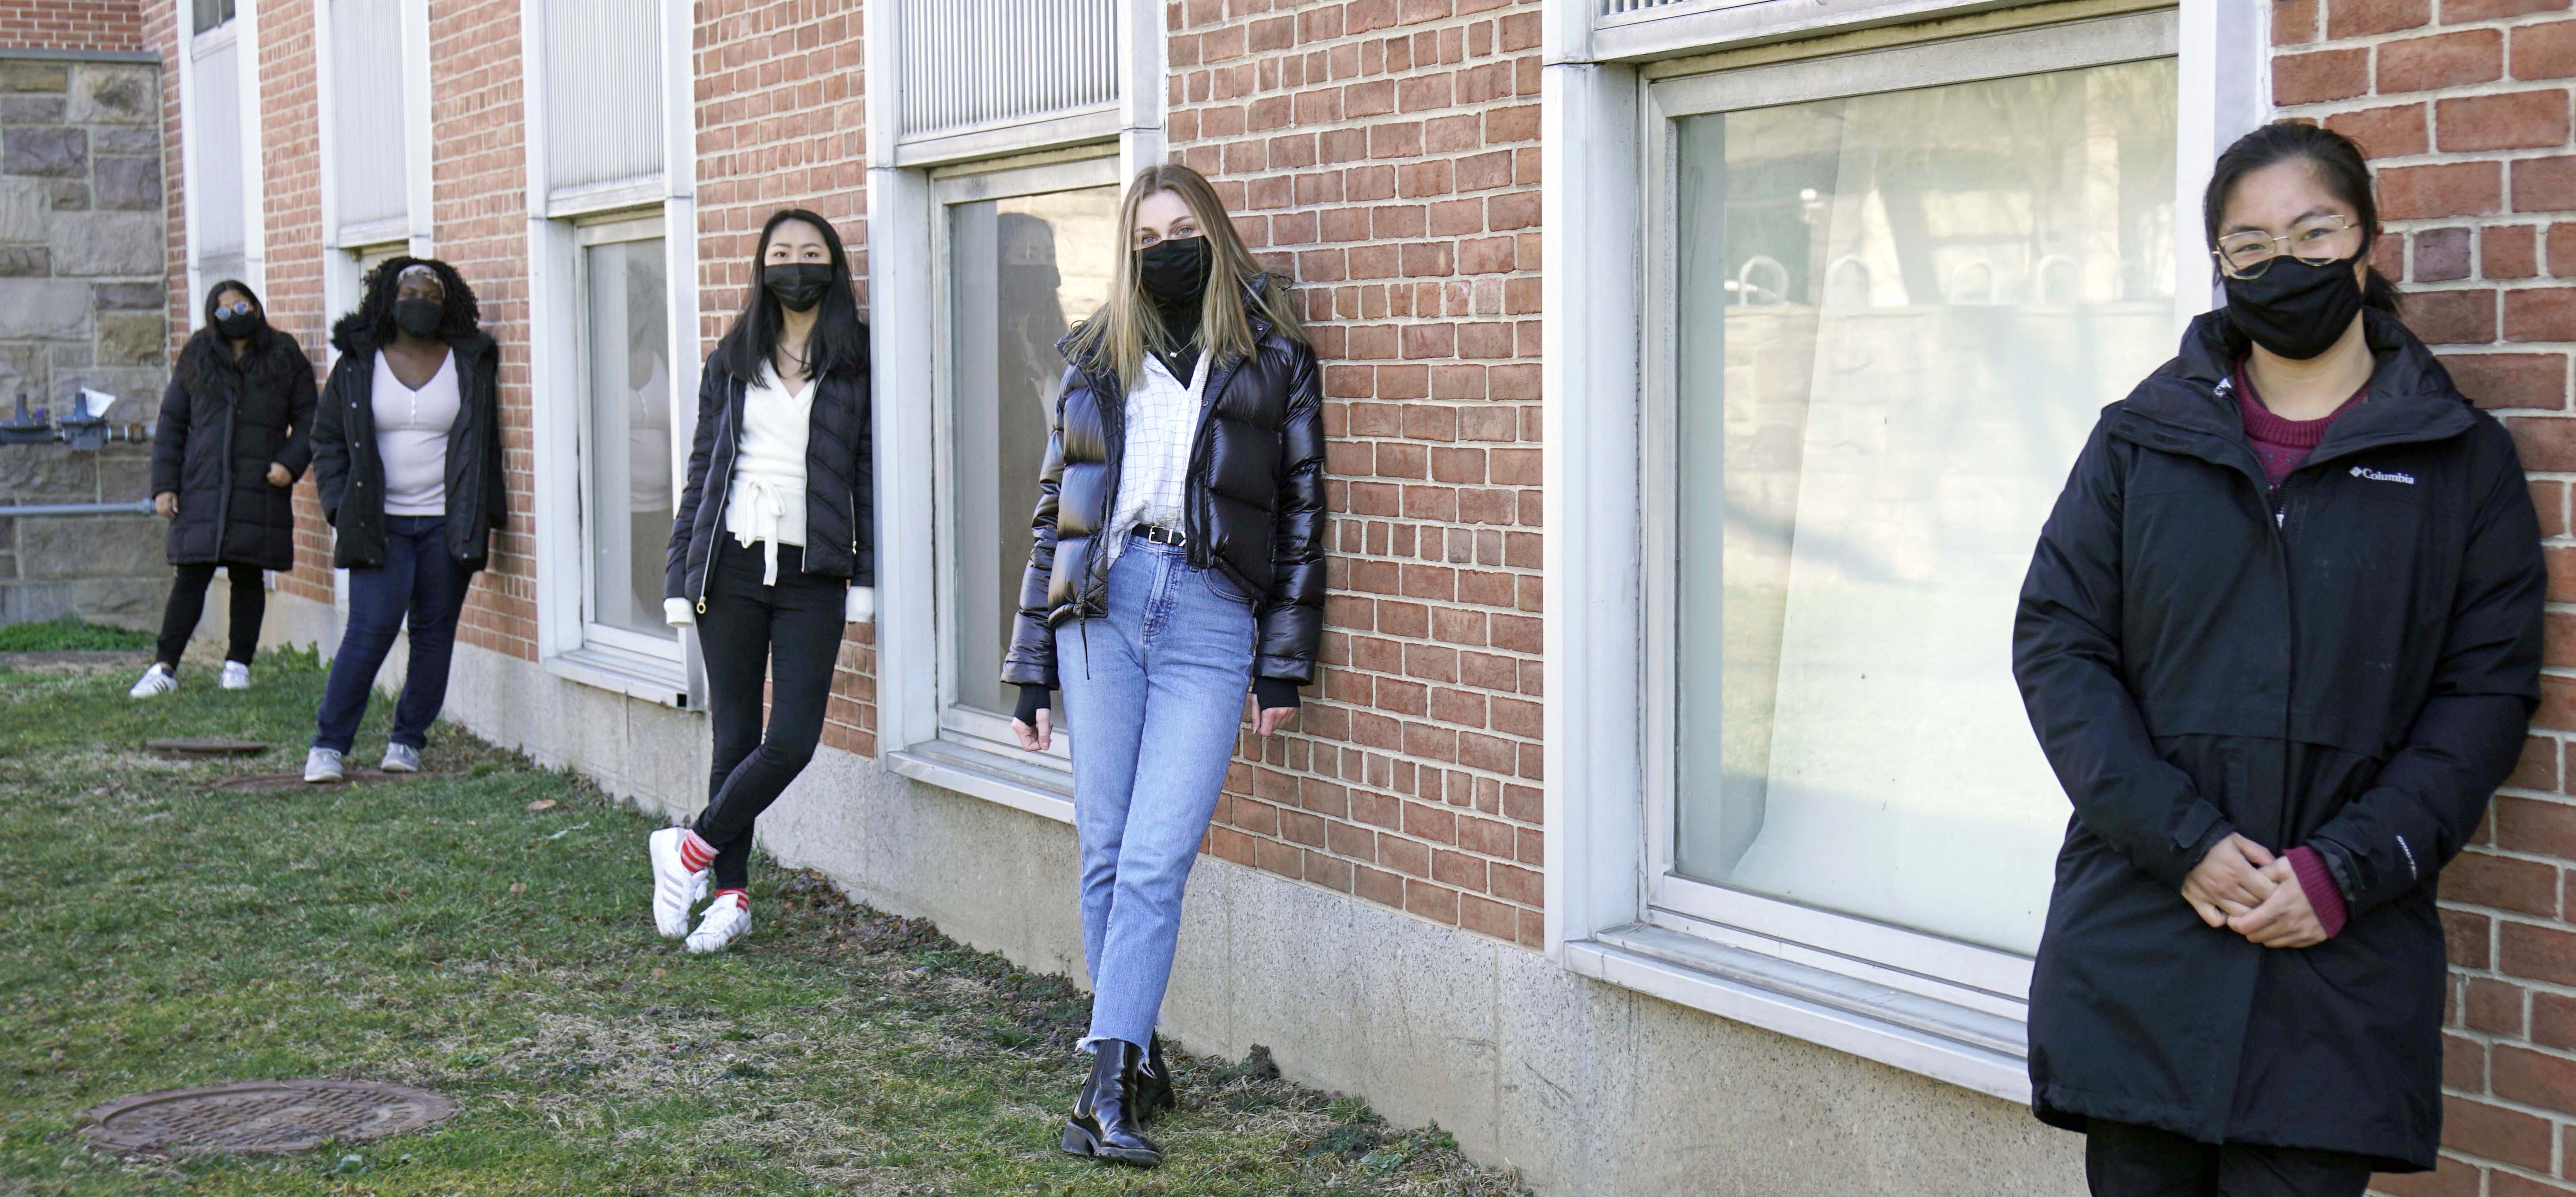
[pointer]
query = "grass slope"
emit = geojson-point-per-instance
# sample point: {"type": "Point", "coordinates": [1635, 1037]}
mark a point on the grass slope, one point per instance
{"type": "Point", "coordinates": [440, 932]}
{"type": "Point", "coordinates": [70, 633]}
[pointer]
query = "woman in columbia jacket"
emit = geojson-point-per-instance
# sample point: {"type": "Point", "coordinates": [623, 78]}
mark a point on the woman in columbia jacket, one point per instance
{"type": "Point", "coordinates": [2279, 640]}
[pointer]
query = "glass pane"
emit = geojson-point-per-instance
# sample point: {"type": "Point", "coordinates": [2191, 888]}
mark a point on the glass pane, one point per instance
{"type": "Point", "coordinates": [1022, 270]}
{"type": "Point", "coordinates": [629, 475]}
{"type": "Point", "coordinates": [1898, 317]}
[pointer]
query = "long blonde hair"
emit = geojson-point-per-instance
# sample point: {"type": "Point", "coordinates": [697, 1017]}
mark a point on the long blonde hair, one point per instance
{"type": "Point", "coordinates": [1126, 326]}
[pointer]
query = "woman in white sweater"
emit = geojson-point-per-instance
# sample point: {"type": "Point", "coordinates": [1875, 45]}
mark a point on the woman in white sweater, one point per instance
{"type": "Point", "coordinates": [772, 550]}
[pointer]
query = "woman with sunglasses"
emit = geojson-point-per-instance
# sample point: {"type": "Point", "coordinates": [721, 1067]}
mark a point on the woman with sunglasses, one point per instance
{"type": "Point", "coordinates": [2280, 640]}
{"type": "Point", "coordinates": [236, 431]}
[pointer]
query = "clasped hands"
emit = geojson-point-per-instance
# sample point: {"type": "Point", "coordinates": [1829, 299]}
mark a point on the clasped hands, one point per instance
{"type": "Point", "coordinates": [2243, 887]}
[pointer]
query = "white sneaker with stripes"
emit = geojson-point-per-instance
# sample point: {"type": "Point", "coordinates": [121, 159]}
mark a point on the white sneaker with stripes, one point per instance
{"type": "Point", "coordinates": [236, 676]}
{"type": "Point", "coordinates": [156, 682]}
{"type": "Point", "coordinates": [675, 888]}
{"type": "Point", "coordinates": [724, 922]}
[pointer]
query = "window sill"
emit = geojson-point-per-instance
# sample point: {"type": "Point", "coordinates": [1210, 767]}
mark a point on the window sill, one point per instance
{"type": "Point", "coordinates": [652, 680]}
{"type": "Point", "coordinates": [1970, 1048]}
{"type": "Point", "coordinates": [1019, 783]}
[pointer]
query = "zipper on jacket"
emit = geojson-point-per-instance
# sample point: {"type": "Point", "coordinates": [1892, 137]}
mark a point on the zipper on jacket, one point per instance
{"type": "Point", "coordinates": [715, 535]}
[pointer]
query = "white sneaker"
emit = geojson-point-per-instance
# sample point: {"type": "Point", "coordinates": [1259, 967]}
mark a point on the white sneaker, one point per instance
{"type": "Point", "coordinates": [724, 922]}
{"type": "Point", "coordinates": [236, 676]}
{"type": "Point", "coordinates": [321, 764]}
{"type": "Point", "coordinates": [401, 758]}
{"type": "Point", "coordinates": [675, 888]}
{"type": "Point", "coordinates": [156, 682]}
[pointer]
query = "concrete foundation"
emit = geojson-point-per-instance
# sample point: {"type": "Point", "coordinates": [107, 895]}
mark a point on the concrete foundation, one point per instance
{"type": "Point", "coordinates": [1587, 1088]}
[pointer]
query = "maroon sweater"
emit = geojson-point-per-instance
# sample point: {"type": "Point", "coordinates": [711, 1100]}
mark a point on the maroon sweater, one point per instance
{"type": "Point", "coordinates": [2282, 446]}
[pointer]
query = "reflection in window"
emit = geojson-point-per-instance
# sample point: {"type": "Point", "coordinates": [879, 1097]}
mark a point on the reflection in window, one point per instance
{"type": "Point", "coordinates": [1898, 317]}
{"type": "Point", "coordinates": [628, 484]}
{"type": "Point", "coordinates": [1022, 271]}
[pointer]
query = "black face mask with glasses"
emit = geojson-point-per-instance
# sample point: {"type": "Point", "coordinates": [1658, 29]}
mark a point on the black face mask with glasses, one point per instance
{"type": "Point", "coordinates": [237, 320]}
{"type": "Point", "coordinates": [2294, 295]}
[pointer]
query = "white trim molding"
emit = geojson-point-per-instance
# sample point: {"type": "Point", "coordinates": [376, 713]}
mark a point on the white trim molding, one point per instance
{"type": "Point", "coordinates": [1907, 999]}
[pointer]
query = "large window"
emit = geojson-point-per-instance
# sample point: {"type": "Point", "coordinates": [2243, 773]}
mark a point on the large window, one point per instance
{"type": "Point", "coordinates": [1886, 302]}
{"type": "Point", "coordinates": [1028, 252]}
{"type": "Point", "coordinates": [216, 150]}
{"type": "Point", "coordinates": [626, 432]}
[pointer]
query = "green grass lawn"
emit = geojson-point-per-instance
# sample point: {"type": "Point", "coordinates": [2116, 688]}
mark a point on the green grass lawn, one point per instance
{"type": "Point", "coordinates": [70, 633]}
{"type": "Point", "coordinates": [440, 932]}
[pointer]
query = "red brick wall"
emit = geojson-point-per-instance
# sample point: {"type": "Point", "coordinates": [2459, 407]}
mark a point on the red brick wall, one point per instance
{"type": "Point", "coordinates": [782, 123]}
{"type": "Point", "coordinates": [291, 196]}
{"type": "Point", "coordinates": [160, 35]}
{"type": "Point", "coordinates": [72, 25]}
{"type": "Point", "coordinates": [479, 224]}
{"type": "Point", "coordinates": [1385, 152]}
{"type": "Point", "coordinates": [2463, 105]}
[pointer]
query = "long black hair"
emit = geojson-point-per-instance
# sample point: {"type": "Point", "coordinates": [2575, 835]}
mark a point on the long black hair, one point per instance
{"type": "Point", "coordinates": [206, 348]}
{"type": "Point", "coordinates": [840, 340]}
{"type": "Point", "coordinates": [2339, 166]}
{"type": "Point", "coordinates": [373, 323]}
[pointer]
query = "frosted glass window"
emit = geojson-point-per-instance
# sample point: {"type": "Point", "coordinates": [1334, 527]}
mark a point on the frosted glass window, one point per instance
{"type": "Point", "coordinates": [1898, 315]}
{"type": "Point", "coordinates": [603, 85]}
{"type": "Point", "coordinates": [628, 483]}
{"type": "Point", "coordinates": [366, 109]}
{"type": "Point", "coordinates": [215, 115]}
{"type": "Point", "coordinates": [1022, 270]}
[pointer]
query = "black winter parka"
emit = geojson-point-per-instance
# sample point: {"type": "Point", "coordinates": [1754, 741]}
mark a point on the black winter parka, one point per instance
{"type": "Point", "coordinates": [222, 423]}
{"type": "Point", "coordinates": [840, 482]}
{"type": "Point", "coordinates": [2348, 663]}
{"type": "Point", "coordinates": [1255, 504]}
{"type": "Point", "coordinates": [351, 475]}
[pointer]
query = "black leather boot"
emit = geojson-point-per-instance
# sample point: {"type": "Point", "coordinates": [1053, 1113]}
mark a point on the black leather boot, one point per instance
{"type": "Point", "coordinates": [1107, 1113]}
{"type": "Point", "coordinates": [1156, 1078]}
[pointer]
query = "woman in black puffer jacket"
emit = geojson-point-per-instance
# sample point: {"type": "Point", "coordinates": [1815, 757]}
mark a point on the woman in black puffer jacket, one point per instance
{"type": "Point", "coordinates": [236, 431]}
{"type": "Point", "coordinates": [1179, 561]}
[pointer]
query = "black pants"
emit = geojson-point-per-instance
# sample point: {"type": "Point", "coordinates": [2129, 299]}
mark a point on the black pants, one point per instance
{"type": "Point", "coordinates": [188, 605]}
{"type": "Point", "coordinates": [2125, 1160]}
{"type": "Point", "coordinates": [792, 633]}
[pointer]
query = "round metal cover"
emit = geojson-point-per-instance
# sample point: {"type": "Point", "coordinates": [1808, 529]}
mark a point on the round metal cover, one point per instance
{"type": "Point", "coordinates": [263, 1117]}
{"type": "Point", "coordinates": [183, 750]}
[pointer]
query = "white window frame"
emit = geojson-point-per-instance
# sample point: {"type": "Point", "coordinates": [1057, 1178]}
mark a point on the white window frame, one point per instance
{"type": "Point", "coordinates": [242, 33]}
{"type": "Point", "coordinates": [569, 644]}
{"type": "Point", "coordinates": [907, 261]}
{"type": "Point", "coordinates": [1941, 1007]}
{"type": "Point", "coordinates": [614, 229]}
{"type": "Point", "coordinates": [965, 726]}
{"type": "Point", "coordinates": [346, 247]}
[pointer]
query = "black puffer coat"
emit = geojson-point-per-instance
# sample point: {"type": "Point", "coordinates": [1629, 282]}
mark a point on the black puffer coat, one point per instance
{"type": "Point", "coordinates": [840, 482]}
{"type": "Point", "coordinates": [2347, 663]}
{"type": "Point", "coordinates": [1255, 505]}
{"type": "Point", "coordinates": [222, 423]}
{"type": "Point", "coordinates": [351, 476]}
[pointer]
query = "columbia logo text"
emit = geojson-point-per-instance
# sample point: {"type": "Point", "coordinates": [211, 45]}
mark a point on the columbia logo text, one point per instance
{"type": "Point", "coordinates": [2377, 476]}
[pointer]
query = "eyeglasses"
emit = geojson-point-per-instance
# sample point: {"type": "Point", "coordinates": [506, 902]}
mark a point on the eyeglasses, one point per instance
{"type": "Point", "coordinates": [238, 307]}
{"type": "Point", "coordinates": [2317, 241]}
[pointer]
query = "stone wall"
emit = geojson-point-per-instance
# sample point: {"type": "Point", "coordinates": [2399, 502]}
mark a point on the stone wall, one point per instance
{"type": "Point", "coordinates": [82, 288]}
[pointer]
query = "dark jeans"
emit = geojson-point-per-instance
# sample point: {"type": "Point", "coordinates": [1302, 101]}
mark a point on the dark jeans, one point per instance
{"type": "Point", "coordinates": [188, 605]}
{"type": "Point", "coordinates": [792, 633]}
{"type": "Point", "coordinates": [421, 584]}
{"type": "Point", "coordinates": [2126, 1160]}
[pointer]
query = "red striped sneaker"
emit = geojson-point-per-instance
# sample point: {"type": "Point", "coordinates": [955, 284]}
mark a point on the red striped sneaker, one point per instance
{"type": "Point", "coordinates": [680, 861]}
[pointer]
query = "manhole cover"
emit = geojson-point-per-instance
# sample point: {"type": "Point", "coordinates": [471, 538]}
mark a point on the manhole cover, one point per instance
{"type": "Point", "coordinates": [280, 783]}
{"type": "Point", "coordinates": [189, 750]}
{"type": "Point", "coordinates": [263, 1117]}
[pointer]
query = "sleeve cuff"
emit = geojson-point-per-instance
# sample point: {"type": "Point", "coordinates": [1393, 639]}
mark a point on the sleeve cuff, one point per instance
{"type": "Point", "coordinates": [676, 612]}
{"type": "Point", "coordinates": [1033, 699]}
{"type": "Point", "coordinates": [1272, 693]}
{"type": "Point", "coordinates": [2317, 882]}
{"type": "Point", "coordinates": [860, 606]}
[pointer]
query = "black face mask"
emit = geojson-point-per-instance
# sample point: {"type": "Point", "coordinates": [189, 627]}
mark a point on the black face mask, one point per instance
{"type": "Point", "coordinates": [237, 326]}
{"type": "Point", "coordinates": [1175, 272]}
{"type": "Point", "coordinates": [419, 317]}
{"type": "Point", "coordinates": [2295, 309]}
{"type": "Point", "coordinates": [798, 285]}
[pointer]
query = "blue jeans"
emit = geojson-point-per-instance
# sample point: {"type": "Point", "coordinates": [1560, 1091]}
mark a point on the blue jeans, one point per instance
{"type": "Point", "coordinates": [1153, 694]}
{"type": "Point", "coordinates": [419, 581]}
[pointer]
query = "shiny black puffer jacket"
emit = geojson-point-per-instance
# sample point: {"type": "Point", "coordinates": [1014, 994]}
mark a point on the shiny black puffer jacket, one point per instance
{"type": "Point", "coordinates": [1255, 505]}
{"type": "Point", "coordinates": [222, 423]}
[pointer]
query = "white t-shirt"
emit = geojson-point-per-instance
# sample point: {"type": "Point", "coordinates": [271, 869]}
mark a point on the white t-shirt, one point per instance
{"type": "Point", "coordinates": [767, 501]}
{"type": "Point", "coordinates": [1153, 478]}
{"type": "Point", "coordinates": [411, 437]}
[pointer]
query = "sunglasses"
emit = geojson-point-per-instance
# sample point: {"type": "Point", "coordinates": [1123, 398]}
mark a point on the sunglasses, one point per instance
{"type": "Point", "coordinates": [238, 307]}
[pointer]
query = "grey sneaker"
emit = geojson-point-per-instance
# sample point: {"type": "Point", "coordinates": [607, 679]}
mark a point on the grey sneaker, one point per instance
{"type": "Point", "coordinates": [321, 764]}
{"type": "Point", "coordinates": [401, 758]}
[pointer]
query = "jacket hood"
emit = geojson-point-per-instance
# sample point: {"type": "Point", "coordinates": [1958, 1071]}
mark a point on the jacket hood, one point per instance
{"type": "Point", "coordinates": [2411, 394]}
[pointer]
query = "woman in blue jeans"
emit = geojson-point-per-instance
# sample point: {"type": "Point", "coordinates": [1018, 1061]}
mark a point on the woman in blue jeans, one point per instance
{"type": "Point", "coordinates": [1178, 564]}
{"type": "Point", "coordinates": [407, 456]}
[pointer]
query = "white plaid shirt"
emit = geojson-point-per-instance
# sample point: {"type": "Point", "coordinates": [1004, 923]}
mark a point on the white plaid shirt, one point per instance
{"type": "Point", "coordinates": [1153, 480]}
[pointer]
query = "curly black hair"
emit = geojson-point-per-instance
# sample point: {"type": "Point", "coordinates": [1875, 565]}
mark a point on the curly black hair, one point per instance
{"type": "Point", "coordinates": [373, 323]}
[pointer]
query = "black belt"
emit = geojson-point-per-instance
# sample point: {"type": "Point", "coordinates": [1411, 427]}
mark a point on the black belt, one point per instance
{"type": "Point", "coordinates": [1159, 535]}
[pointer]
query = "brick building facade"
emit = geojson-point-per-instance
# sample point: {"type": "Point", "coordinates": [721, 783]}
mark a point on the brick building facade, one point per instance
{"type": "Point", "coordinates": [72, 24]}
{"type": "Point", "coordinates": [1457, 768]}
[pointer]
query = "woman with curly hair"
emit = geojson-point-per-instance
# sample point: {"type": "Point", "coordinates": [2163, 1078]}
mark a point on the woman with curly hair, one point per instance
{"type": "Point", "coordinates": [407, 455]}
{"type": "Point", "coordinates": [236, 430]}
